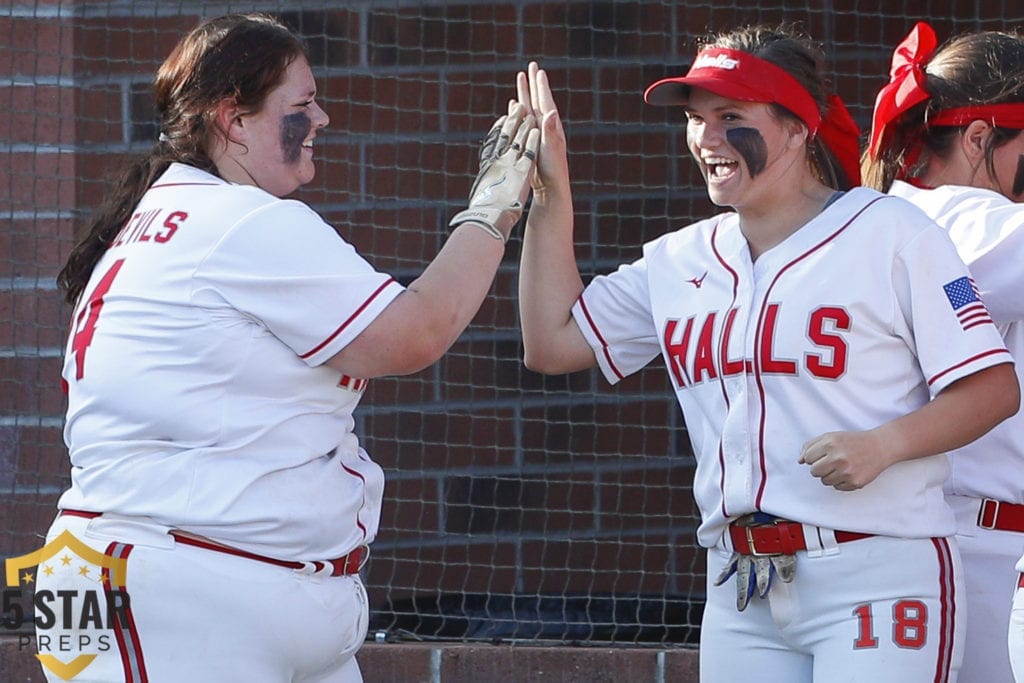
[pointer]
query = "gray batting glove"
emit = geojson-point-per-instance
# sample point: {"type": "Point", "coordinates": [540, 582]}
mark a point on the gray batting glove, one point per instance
{"type": "Point", "coordinates": [507, 158]}
{"type": "Point", "coordinates": [755, 574]}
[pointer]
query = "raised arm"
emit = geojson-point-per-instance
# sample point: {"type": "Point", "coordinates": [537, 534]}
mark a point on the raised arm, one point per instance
{"type": "Point", "coordinates": [422, 322]}
{"type": "Point", "coordinates": [549, 279]}
{"type": "Point", "coordinates": [962, 412]}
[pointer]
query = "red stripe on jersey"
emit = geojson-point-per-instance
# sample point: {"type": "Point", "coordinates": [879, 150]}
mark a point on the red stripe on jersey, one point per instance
{"type": "Point", "coordinates": [969, 360]}
{"type": "Point", "coordinates": [350, 319]}
{"type": "Point", "coordinates": [759, 339]}
{"type": "Point", "coordinates": [597, 333]}
{"type": "Point", "coordinates": [355, 473]}
{"type": "Point", "coordinates": [723, 356]}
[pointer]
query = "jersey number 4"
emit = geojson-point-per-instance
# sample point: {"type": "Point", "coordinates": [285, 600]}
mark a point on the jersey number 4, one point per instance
{"type": "Point", "coordinates": [85, 323]}
{"type": "Point", "coordinates": [909, 625]}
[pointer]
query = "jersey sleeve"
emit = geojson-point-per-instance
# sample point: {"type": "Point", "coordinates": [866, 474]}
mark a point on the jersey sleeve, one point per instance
{"type": "Point", "coordinates": [951, 328]}
{"type": "Point", "coordinates": [989, 234]}
{"type": "Point", "coordinates": [614, 314]}
{"type": "Point", "coordinates": [284, 267]}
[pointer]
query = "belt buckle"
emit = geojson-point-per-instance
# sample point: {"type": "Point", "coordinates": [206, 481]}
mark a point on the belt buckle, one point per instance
{"type": "Point", "coordinates": [750, 540]}
{"type": "Point", "coordinates": [984, 508]}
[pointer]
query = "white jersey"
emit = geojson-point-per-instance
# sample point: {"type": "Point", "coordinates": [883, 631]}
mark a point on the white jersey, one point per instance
{"type": "Point", "coordinates": [858, 318]}
{"type": "Point", "coordinates": [196, 391]}
{"type": "Point", "coordinates": [988, 231]}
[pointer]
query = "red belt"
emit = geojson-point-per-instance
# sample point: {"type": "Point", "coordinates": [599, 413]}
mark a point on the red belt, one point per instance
{"type": "Point", "coordinates": [341, 566]}
{"type": "Point", "coordinates": [780, 538]}
{"type": "Point", "coordinates": [1020, 581]}
{"type": "Point", "coordinates": [994, 514]}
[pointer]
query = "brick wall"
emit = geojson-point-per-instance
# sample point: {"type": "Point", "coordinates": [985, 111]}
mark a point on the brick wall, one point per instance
{"type": "Point", "coordinates": [500, 481]}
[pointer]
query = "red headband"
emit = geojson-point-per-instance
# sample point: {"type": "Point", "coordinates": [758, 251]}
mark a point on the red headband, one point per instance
{"type": "Point", "coordinates": [1004, 115]}
{"type": "Point", "coordinates": [841, 135]}
{"type": "Point", "coordinates": [741, 76]}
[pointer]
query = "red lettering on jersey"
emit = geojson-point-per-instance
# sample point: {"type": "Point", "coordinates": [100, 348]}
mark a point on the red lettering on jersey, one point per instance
{"type": "Point", "coordinates": [137, 221]}
{"type": "Point", "coordinates": [137, 228]}
{"type": "Point", "coordinates": [171, 224]}
{"type": "Point", "coordinates": [145, 223]}
{"type": "Point", "coordinates": [704, 359]}
{"type": "Point", "coordinates": [122, 236]}
{"type": "Point", "coordinates": [730, 367]}
{"type": "Point", "coordinates": [833, 318]}
{"type": "Point", "coordinates": [769, 363]}
{"type": "Point", "coordinates": [677, 350]}
{"type": "Point", "coordinates": [87, 317]}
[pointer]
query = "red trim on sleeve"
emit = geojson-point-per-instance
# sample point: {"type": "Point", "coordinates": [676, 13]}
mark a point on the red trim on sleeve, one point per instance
{"type": "Point", "coordinates": [969, 360]}
{"type": "Point", "coordinates": [600, 338]}
{"type": "Point", "coordinates": [352, 317]}
{"type": "Point", "coordinates": [153, 187]}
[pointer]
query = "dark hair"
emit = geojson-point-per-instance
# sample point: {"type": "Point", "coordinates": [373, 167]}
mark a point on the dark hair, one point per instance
{"type": "Point", "coordinates": [790, 49]}
{"type": "Point", "coordinates": [985, 67]}
{"type": "Point", "coordinates": [241, 57]}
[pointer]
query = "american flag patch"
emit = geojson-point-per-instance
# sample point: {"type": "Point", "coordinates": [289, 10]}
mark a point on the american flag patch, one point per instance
{"type": "Point", "coordinates": [966, 302]}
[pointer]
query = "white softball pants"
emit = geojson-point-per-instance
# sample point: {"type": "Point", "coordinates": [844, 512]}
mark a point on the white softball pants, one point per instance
{"type": "Point", "coordinates": [878, 609]}
{"type": "Point", "coordinates": [193, 614]}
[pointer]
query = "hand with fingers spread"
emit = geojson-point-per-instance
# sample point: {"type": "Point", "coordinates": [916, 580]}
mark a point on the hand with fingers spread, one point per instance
{"type": "Point", "coordinates": [534, 93]}
{"type": "Point", "coordinates": [507, 156]}
{"type": "Point", "coordinates": [549, 278]}
{"type": "Point", "coordinates": [846, 461]}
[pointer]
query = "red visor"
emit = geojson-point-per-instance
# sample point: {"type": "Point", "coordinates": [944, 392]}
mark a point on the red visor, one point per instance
{"type": "Point", "coordinates": [740, 76]}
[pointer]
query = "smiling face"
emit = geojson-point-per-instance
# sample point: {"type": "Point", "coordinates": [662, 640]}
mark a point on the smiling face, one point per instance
{"type": "Point", "coordinates": [744, 150]}
{"type": "Point", "coordinates": [274, 149]}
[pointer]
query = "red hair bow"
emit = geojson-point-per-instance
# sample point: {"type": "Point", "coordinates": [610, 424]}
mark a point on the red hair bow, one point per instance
{"type": "Point", "coordinates": [906, 83]}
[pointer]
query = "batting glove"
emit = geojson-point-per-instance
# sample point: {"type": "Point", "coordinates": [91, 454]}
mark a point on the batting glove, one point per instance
{"type": "Point", "coordinates": [507, 158]}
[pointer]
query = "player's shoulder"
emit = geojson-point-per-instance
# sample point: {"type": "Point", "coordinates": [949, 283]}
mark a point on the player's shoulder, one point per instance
{"type": "Point", "coordinates": [948, 200]}
{"type": "Point", "coordinates": [229, 204]}
{"type": "Point", "coordinates": [898, 215]}
{"type": "Point", "coordinates": [688, 236]}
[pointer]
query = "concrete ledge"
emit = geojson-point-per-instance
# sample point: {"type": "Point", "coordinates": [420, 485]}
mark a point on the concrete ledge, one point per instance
{"type": "Point", "coordinates": [461, 663]}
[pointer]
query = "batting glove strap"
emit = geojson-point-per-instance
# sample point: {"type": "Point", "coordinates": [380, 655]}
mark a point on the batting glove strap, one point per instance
{"type": "Point", "coordinates": [487, 219]}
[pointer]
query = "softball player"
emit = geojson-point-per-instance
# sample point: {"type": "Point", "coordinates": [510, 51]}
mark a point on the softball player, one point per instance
{"type": "Point", "coordinates": [826, 348]}
{"type": "Point", "coordinates": [963, 168]}
{"type": "Point", "coordinates": [222, 337]}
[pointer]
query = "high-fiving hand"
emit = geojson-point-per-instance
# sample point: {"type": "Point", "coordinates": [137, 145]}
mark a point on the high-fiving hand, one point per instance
{"type": "Point", "coordinates": [534, 93]}
{"type": "Point", "coordinates": [502, 185]}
